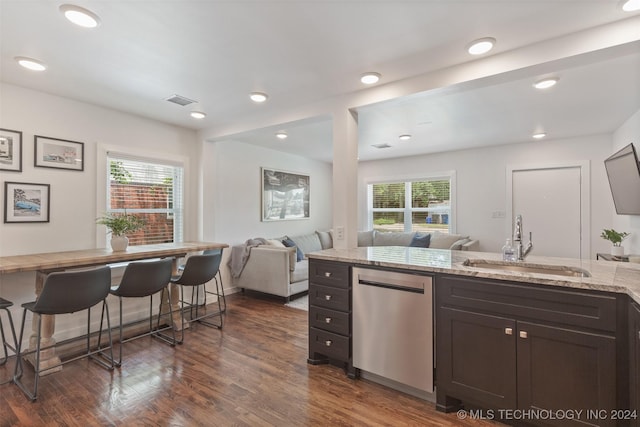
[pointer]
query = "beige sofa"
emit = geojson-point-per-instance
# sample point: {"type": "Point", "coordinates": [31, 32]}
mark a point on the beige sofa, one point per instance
{"type": "Point", "coordinates": [275, 269]}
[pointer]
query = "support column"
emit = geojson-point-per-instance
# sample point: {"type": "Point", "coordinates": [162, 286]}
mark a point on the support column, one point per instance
{"type": "Point", "coordinates": [345, 179]}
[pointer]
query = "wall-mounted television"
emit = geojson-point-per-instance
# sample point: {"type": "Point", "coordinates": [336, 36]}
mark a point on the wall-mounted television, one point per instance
{"type": "Point", "coordinates": [623, 171]}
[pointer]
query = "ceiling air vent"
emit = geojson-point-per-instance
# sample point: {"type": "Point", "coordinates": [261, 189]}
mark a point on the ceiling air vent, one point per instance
{"type": "Point", "coordinates": [385, 145]}
{"type": "Point", "coordinates": [180, 100]}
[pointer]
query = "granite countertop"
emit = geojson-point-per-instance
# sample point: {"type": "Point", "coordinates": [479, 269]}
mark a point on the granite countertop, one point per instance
{"type": "Point", "coordinates": [609, 276]}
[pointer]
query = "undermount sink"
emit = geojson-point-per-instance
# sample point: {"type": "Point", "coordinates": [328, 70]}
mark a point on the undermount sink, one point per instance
{"type": "Point", "coordinates": [518, 267]}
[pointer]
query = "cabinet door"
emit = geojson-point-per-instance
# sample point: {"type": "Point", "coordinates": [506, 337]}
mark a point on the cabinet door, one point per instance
{"type": "Point", "coordinates": [476, 358]}
{"type": "Point", "coordinates": [634, 361]}
{"type": "Point", "coordinates": [564, 369]}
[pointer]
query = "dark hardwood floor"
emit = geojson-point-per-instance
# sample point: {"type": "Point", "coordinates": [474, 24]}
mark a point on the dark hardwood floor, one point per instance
{"type": "Point", "coordinates": [251, 373]}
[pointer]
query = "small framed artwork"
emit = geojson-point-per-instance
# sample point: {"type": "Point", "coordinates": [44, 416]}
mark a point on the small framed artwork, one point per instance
{"type": "Point", "coordinates": [10, 150]}
{"type": "Point", "coordinates": [285, 195]}
{"type": "Point", "coordinates": [58, 153]}
{"type": "Point", "coordinates": [26, 202]}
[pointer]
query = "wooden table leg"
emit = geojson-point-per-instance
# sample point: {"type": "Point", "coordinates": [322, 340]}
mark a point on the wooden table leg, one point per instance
{"type": "Point", "coordinates": [48, 357]}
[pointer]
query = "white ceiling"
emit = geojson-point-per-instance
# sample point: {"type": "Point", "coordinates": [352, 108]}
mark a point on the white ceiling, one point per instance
{"type": "Point", "coordinates": [300, 52]}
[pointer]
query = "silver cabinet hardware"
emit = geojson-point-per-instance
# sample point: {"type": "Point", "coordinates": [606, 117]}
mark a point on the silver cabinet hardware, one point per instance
{"type": "Point", "coordinates": [523, 334]}
{"type": "Point", "coordinates": [328, 343]}
{"type": "Point", "coordinates": [327, 274]}
{"type": "Point", "coordinates": [327, 319]}
{"type": "Point", "coordinates": [508, 331]}
{"type": "Point", "coordinates": [327, 297]}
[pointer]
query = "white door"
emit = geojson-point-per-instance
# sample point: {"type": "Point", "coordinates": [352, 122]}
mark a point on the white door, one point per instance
{"type": "Point", "coordinates": [552, 203]}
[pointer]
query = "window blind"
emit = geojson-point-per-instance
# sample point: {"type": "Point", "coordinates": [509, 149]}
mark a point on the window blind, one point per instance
{"type": "Point", "coordinates": [150, 189]}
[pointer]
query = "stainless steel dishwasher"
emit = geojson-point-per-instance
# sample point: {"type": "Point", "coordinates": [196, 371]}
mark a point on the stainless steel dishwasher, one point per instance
{"type": "Point", "coordinates": [393, 326]}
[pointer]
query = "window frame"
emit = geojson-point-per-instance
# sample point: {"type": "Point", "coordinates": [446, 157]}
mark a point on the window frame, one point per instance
{"type": "Point", "coordinates": [103, 178]}
{"type": "Point", "coordinates": [408, 209]}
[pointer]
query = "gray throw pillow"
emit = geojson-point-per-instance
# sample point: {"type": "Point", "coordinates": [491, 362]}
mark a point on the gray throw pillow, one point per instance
{"type": "Point", "coordinates": [421, 240]}
{"type": "Point", "coordinates": [290, 244]}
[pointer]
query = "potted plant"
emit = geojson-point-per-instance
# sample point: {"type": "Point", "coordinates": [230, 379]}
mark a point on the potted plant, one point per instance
{"type": "Point", "coordinates": [616, 239]}
{"type": "Point", "coordinates": [119, 225]}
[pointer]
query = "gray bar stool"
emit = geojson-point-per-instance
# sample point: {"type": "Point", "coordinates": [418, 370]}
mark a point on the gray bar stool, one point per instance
{"type": "Point", "coordinates": [64, 293]}
{"type": "Point", "coordinates": [144, 279]}
{"type": "Point", "coordinates": [4, 305]}
{"type": "Point", "coordinates": [218, 278]}
{"type": "Point", "coordinates": [199, 270]}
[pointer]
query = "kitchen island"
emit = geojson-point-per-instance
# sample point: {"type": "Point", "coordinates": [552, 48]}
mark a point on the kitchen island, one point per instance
{"type": "Point", "coordinates": [557, 339]}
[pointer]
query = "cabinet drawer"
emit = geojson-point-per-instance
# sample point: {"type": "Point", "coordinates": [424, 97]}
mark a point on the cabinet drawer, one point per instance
{"type": "Point", "coordinates": [329, 320]}
{"type": "Point", "coordinates": [331, 345]}
{"type": "Point", "coordinates": [529, 301]}
{"type": "Point", "coordinates": [328, 297]}
{"type": "Point", "coordinates": [329, 273]}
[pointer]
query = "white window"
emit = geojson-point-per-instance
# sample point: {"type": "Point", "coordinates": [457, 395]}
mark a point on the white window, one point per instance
{"type": "Point", "coordinates": [151, 189]}
{"type": "Point", "coordinates": [412, 205]}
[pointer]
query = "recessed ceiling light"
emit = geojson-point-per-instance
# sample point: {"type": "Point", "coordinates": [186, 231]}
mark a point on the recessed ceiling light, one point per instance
{"type": "Point", "coordinates": [258, 96]}
{"type": "Point", "coordinates": [281, 135]}
{"type": "Point", "coordinates": [631, 5]}
{"type": "Point", "coordinates": [30, 63]}
{"type": "Point", "coordinates": [539, 135]}
{"type": "Point", "coordinates": [198, 115]}
{"type": "Point", "coordinates": [545, 83]}
{"type": "Point", "coordinates": [405, 137]}
{"type": "Point", "coordinates": [80, 16]}
{"type": "Point", "coordinates": [480, 46]}
{"type": "Point", "coordinates": [370, 78]}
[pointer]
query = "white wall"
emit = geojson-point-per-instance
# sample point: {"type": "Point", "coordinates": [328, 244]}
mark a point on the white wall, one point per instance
{"type": "Point", "coordinates": [481, 182]}
{"type": "Point", "coordinates": [73, 193]}
{"type": "Point", "coordinates": [627, 133]}
{"type": "Point", "coordinates": [232, 193]}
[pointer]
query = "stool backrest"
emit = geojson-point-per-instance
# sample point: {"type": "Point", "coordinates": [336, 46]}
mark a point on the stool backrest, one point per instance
{"type": "Point", "coordinates": [144, 278]}
{"type": "Point", "coordinates": [71, 291]}
{"type": "Point", "coordinates": [199, 269]}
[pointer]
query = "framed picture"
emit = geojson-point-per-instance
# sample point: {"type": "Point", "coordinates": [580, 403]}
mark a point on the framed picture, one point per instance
{"type": "Point", "coordinates": [25, 202]}
{"type": "Point", "coordinates": [58, 153]}
{"type": "Point", "coordinates": [10, 150]}
{"type": "Point", "coordinates": [285, 195]}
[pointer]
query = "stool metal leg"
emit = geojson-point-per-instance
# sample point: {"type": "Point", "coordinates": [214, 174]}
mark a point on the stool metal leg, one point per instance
{"type": "Point", "coordinates": [5, 345]}
{"type": "Point", "coordinates": [19, 370]}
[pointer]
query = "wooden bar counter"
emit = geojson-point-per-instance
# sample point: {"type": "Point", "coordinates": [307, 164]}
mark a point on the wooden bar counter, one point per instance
{"type": "Point", "coordinates": [45, 263]}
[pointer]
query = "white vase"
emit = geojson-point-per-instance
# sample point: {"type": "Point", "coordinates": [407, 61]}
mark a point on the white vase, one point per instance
{"type": "Point", "coordinates": [617, 250]}
{"type": "Point", "coordinates": [119, 243]}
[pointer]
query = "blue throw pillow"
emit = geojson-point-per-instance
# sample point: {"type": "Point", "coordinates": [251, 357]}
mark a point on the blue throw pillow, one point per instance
{"type": "Point", "coordinates": [421, 240]}
{"type": "Point", "coordinates": [289, 243]}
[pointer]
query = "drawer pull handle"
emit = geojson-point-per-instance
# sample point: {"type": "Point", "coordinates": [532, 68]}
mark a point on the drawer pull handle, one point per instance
{"type": "Point", "coordinates": [327, 274]}
{"type": "Point", "coordinates": [508, 331]}
{"type": "Point", "coordinates": [328, 343]}
{"type": "Point", "coordinates": [327, 297]}
{"type": "Point", "coordinates": [327, 319]}
{"type": "Point", "coordinates": [523, 334]}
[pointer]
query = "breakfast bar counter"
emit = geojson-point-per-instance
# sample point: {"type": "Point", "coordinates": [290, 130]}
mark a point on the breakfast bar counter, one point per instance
{"type": "Point", "coordinates": [44, 263]}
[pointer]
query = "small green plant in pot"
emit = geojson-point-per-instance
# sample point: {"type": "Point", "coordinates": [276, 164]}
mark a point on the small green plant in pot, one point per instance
{"type": "Point", "coordinates": [616, 238]}
{"type": "Point", "coordinates": [119, 225]}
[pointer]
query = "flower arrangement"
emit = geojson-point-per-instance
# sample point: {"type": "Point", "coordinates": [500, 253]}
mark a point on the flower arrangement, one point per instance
{"type": "Point", "coordinates": [121, 224]}
{"type": "Point", "coordinates": [614, 236]}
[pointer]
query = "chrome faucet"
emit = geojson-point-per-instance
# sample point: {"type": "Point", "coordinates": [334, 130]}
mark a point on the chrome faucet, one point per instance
{"type": "Point", "coordinates": [521, 252]}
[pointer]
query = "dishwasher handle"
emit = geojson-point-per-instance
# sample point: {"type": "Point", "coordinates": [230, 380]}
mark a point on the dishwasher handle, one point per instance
{"type": "Point", "coordinates": [390, 286]}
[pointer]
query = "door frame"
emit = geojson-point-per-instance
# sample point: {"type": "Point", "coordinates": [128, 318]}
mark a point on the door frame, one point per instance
{"type": "Point", "coordinates": [585, 197]}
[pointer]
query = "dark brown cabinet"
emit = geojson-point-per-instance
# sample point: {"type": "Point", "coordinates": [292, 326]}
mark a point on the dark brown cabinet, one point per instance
{"type": "Point", "coordinates": [503, 345]}
{"type": "Point", "coordinates": [330, 314]}
{"type": "Point", "coordinates": [634, 363]}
